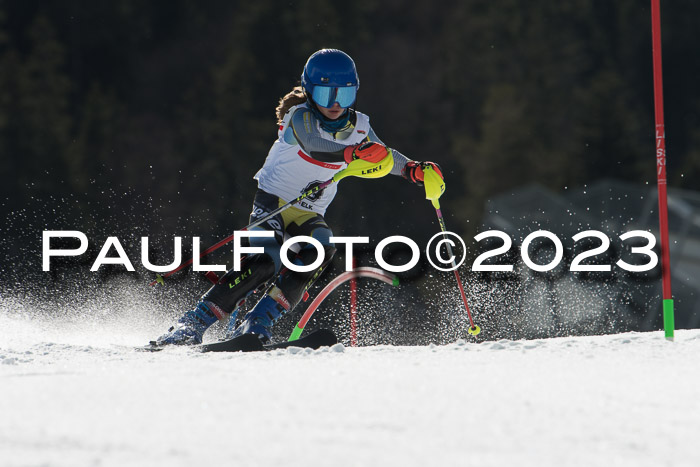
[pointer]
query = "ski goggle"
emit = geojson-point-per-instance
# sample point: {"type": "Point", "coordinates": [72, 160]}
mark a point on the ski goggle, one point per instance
{"type": "Point", "coordinates": [326, 96]}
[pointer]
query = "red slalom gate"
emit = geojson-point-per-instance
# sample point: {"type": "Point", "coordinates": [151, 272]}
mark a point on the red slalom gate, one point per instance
{"type": "Point", "coordinates": [373, 273]}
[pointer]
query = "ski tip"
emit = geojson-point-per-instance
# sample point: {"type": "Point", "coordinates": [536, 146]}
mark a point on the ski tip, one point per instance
{"type": "Point", "coordinates": [324, 338]}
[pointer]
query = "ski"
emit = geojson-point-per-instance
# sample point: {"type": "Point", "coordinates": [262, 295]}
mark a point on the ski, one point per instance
{"type": "Point", "coordinates": [251, 343]}
{"type": "Point", "coordinates": [244, 343]}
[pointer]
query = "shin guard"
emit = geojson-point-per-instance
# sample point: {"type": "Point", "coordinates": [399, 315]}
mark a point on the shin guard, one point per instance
{"type": "Point", "coordinates": [234, 286]}
{"type": "Point", "coordinates": [293, 284]}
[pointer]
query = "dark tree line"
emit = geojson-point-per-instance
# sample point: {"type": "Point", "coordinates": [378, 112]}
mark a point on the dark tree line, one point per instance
{"type": "Point", "coordinates": [159, 113]}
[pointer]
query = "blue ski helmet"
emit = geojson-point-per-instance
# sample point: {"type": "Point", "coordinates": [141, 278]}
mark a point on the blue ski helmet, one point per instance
{"type": "Point", "coordinates": [330, 76]}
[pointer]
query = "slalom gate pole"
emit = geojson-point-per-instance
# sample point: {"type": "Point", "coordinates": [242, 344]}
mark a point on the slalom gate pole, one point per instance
{"type": "Point", "coordinates": [668, 313]}
{"type": "Point", "coordinates": [356, 168]}
{"type": "Point", "coordinates": [434, 188]}
{"type": "Point", "coordinates": [353, 307]}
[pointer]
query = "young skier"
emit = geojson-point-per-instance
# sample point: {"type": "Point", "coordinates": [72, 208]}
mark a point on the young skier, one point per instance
{"type": "Point", "coordinates": [320, 132]}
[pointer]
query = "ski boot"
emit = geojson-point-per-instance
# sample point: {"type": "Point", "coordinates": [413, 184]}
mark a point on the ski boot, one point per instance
{"type": "Point", "coordinates": [190, 327]}
{"type": "Point", "coordinates": [259, 320]}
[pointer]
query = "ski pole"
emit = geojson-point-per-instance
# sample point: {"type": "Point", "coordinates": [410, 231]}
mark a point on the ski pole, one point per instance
{"type": "Point", "coordinates": [434, 188]}
{"type": "Point", "coordinates": [357, 168]}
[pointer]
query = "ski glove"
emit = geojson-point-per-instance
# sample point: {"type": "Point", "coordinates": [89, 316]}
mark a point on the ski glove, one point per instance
{"type": "Point", "coordinates": [369, 151]}
{"type": "Point", "coordinates": [413, 171]}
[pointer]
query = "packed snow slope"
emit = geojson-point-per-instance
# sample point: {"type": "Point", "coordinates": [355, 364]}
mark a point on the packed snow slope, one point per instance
{"type": "Point", "coordinates": [73, 395]}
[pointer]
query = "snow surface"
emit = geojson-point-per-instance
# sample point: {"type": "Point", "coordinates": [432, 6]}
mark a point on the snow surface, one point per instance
{"type": "Point", "coordinates": [78, 394]}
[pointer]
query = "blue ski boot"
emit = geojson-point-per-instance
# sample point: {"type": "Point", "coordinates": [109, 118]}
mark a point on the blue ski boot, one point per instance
{"type": "Point", "coordinates": [260, 320]}
{"type": "Point", "coordinates": [191, 326]}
